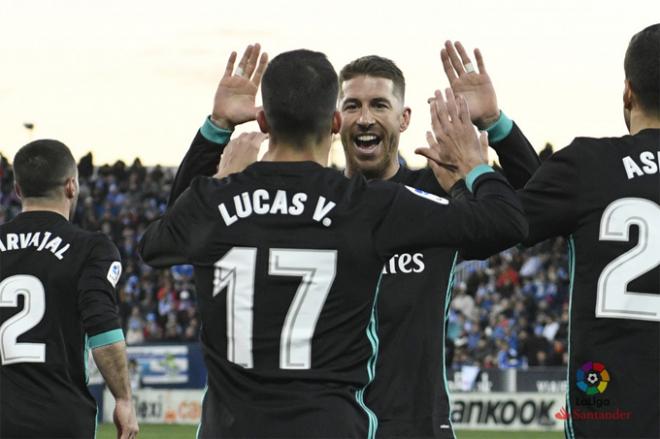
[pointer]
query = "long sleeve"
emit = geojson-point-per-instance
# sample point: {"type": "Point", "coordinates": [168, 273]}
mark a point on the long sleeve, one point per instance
{"type": "Point", "coordinates": [491, 221]}
{"type": "Point", "coordinates": [202, 158]}
{"type": "Point", "coordinates": [517, 156]}
{"type": "Point", "coordinates": [549, 198]}
{"type": "Point", "coordinates": [170, 239]}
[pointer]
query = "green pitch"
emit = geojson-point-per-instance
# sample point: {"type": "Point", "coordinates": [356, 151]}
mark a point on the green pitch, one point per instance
{"type": "Point", "coordinates": [162, 431]}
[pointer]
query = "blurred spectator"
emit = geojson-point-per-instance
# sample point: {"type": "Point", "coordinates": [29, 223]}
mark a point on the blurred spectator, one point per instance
{"type": "Point", "coordinates": [514, 311]}
{"type": "Point", "coordinates": [546, 152]}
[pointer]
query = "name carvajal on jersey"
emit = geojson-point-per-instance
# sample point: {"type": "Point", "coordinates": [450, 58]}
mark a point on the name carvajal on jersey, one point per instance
{"type": "Point", "coordinates": [648, 164]}
{"type": "Point", "coordinates": [262, 202]}
{"type": "Point", "coordinates": [37, 240]}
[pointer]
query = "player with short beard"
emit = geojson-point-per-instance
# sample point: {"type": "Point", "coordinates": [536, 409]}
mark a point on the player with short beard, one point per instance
{"type": "Point", "coordinates": [408, 394]}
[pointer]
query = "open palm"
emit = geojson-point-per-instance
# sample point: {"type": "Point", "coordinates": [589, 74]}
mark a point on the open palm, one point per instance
{"type": "Point", "coordinates": [234, 101]}
{"type": "Point", "coordinates": [474, 85]}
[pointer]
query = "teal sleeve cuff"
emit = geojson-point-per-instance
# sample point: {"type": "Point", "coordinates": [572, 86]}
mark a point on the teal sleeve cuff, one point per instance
{"type": "Point", "coordinates": [105, 338]}
{"type": "Point", "coordinates": [215, 134]}
{"type": "Point", "coordinates": [475, 173]}
{"type": "Point", "coordinates": [500, 129]}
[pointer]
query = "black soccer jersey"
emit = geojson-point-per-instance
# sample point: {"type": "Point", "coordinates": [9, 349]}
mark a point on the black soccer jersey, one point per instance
{"type": "Point", "coordinates": [57, 299]}
{"type": "Point", "coordinates": [605, 194]}
{"type": "Point", "coordinates": [408, 393]}
{"type": "Point", "coordinates": [287, 261]}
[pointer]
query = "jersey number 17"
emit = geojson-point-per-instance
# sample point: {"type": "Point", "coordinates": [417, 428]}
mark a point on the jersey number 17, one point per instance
{"type": "Point", "coordinates": [236, 272]}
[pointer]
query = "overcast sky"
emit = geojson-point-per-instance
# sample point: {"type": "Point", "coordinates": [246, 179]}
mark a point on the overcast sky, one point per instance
{"type": "Point", "coordinates": [136, 78]}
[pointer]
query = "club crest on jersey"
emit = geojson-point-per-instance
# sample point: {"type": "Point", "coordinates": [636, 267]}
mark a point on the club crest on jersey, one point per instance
{"type": "Point", "coordinates": [114, 273]}
{"type": "Point", "coordinates": [421, 193]}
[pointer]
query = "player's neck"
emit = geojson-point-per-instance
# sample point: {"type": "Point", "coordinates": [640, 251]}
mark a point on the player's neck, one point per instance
{"type": "Point", "coordinates": [32, 205]}
{"type": "Point", "coordinates": [281, 152]}
{"type": "Point", "coordinates": [641, 121]}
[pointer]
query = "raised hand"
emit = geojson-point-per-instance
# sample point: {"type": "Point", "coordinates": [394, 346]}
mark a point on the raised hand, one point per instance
{"type": "Point", "coordinates": [454, 148]}
{"type": "Point", "coordinates": [474, 85]}
{"type": "Point", "coordinates": [234, 101]}
{"type": "Point", "coordinates": [240, 153]}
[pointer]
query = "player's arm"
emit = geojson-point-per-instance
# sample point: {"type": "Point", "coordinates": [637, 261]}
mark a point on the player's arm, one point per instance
{"type": "Point", "coordinates": [97, 306]}
{"type": "Point", "coordinates": [167, 240]}
{"type": "Point", "coordinates": [111, 362]}
{"type": "Point", "coordinates": [550, 198]}
{"type": "Point", "coordinates": [233, 104]}
{"type": "Point", "coordinates": [202, 157]}
{"type": "Point", "coordinates": [490, 221]}
{"type": "Point", "coordinates": [517, 156]}
{"type": "Point", "coordinates": [493, 218]}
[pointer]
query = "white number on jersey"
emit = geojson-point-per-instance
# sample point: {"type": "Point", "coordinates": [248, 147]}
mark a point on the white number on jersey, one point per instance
{"type": "Point", "coordinates": [34, 308]}
{"type": "Point", "coordinates": [613, 298]}
{"type": "Point", "coordinates": [236, 272]}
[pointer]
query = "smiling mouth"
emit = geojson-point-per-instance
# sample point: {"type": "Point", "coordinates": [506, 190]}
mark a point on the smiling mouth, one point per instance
{"type": "Point", "coordinates": [366, 142]}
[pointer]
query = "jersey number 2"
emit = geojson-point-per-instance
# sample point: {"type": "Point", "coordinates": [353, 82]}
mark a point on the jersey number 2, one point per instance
{"type": "Point", "coordinates": [34, 307]}
{"type": "Point", "coordinates": [236, 272]}
{"type": "Point", "coordinates": [613, 299]}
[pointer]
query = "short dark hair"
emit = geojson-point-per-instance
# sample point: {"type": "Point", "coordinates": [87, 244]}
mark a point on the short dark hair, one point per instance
{"type": "Point", "coordinates": [642, 67]}
{"type": "Point", "coordinates": [42, 166]}
{"type": "Point", "coordinates": [378, 67]}
{"type": "Point", "coordinates": [299, 92]}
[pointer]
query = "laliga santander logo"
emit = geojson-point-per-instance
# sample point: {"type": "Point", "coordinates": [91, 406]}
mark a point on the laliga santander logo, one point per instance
{"type": "Point", "coordinates": [592, 378]}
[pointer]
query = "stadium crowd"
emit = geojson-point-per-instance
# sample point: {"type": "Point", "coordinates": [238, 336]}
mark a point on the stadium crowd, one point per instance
{"type": "Point", "coordinates": [512, 310]}
{"type": "Point", "coordinates": [508, 312]}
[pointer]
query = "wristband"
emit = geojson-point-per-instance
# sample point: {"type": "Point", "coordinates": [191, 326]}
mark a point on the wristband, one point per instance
{"type": "Point", "coordinates": [475, 173]}
{"type": "Point", "coordinates": [500, 129]}
{"type": "Point", "coordinates": [214, 133]}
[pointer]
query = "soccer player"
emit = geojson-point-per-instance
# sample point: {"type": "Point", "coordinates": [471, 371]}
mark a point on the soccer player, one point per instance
{"type": "Point", "coordinates": [605, 194]}
{"type": "Point", "coordinates": [57, 301]}
{"type": "Point", "coordinates": [288, 254]}
{"type": "Point", "coordinates": [408, 394]}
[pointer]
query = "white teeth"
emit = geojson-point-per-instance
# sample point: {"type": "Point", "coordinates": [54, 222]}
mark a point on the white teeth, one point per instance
{"type": "Point", "coordinates": [366, 138]}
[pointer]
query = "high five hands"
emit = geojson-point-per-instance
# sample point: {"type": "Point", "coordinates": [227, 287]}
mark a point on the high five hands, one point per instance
{"type": "Point", "coordinates": [454, 147]}
{"type": "Point", "coordinates": [472, 84]}
{"type": "Point", "coordinates": [234, 101]}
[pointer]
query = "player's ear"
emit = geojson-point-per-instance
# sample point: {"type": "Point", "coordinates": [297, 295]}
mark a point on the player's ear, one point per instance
{"type": "Point", "coordinates": [263, 123]}
{"type": "Point", "coordinates": [17, 188]}
{"type": "Point", "coordinates": [627, 95]}
{"type": "Point", "coordinates": [336, 122]}
{"type": "Point", "coordinates": [405, 119]}
{"type": "Point", "coordinates": [71, 188]}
